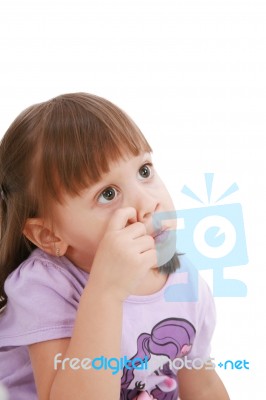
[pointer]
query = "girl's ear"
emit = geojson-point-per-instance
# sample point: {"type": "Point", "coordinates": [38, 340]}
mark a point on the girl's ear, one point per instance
{"type": "Point", "coordinates": [43, 237]}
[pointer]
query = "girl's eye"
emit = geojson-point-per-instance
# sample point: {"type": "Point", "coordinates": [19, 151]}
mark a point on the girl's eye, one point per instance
{"type": "Point", "coordinates": [145, 171]}
{"type": "Point", "coordinates": [107, 195]}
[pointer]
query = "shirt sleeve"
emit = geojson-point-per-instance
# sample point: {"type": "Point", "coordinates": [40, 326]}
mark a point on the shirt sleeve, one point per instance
{"type": "Point", "coordinates": [43, 298]}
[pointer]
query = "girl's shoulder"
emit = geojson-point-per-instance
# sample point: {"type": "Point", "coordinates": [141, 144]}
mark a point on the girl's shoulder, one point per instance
{"type": "Point", "coordinates": [42, 270]}
{"type": "Point", "coordinates": [43, 296]}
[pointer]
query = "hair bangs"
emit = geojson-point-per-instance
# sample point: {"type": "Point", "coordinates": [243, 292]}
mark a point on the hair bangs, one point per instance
{"type": "Point", "coordinates": [82, 135]}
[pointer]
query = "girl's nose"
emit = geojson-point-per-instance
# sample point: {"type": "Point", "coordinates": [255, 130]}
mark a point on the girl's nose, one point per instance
{"type": "Point", "coordinates": [146, 205]}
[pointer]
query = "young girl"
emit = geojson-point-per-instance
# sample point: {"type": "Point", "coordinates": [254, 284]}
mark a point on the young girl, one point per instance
{"type": "Point", "coordinates": [84, 267]}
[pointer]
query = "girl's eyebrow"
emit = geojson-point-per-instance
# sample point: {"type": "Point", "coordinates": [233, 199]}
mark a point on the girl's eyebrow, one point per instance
{"type": "Point", "coordinates": [95, 187]}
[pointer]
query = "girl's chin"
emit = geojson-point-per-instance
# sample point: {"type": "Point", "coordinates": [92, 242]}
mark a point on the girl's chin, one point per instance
{"type": "Point", "coordinates": [166, 249]}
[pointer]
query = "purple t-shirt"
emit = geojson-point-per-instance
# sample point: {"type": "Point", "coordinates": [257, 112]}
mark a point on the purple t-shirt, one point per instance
{"type": "Point", "coordinates": [160, 331]}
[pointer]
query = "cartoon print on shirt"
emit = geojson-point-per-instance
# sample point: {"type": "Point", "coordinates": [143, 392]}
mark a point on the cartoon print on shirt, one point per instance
{"type": "Point", "coordinates": [169, 339]}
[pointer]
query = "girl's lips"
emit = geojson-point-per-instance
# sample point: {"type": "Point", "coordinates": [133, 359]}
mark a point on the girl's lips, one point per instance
{"type": "Point", "coordinates": [161, 236]}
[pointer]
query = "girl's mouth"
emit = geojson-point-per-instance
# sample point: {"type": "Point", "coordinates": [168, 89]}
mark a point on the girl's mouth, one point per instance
{"type": "Point", "coordinates": [161, 236]}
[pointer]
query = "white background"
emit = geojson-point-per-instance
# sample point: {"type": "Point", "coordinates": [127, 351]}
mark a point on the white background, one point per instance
{"type": "Point", "coordinates": [192, 75]}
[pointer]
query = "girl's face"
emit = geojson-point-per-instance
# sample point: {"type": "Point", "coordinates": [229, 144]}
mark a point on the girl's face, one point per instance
{"type": "Point", "coordinates": [81, 221]}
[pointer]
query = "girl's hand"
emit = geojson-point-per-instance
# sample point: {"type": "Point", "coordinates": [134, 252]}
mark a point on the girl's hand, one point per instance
{"type": "Point", "coordinates": [124, 256]}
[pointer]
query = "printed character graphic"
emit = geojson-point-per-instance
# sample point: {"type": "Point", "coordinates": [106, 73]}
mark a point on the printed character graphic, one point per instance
{"type": "Point", "coordinates": [169, 339]}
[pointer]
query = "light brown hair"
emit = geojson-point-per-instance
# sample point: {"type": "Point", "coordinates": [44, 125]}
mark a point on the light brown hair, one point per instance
{"type": "Point", "coordinates": [66, 142]}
